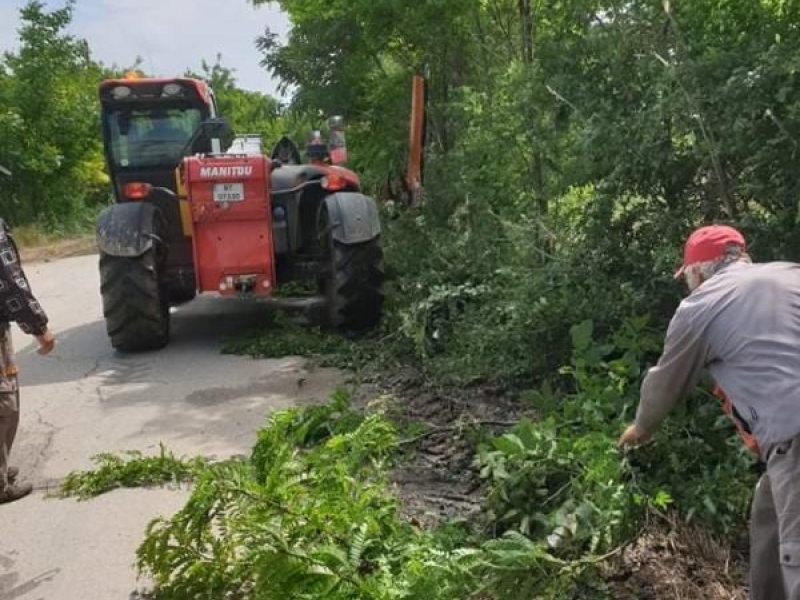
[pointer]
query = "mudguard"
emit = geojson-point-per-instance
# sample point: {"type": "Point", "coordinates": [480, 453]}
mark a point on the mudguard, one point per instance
{"type": "Point", "coordinates": [128, 229]}
{"type": "Point", "coordinates": [353, 217]}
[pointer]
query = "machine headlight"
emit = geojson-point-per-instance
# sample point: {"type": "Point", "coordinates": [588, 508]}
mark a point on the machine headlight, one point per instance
{"type": "Point", "coordinates": [171, 89]}
{"type": "Point", "coordinates": [121, 91]}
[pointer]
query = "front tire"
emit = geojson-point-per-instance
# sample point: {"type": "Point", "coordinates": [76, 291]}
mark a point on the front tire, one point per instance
{"type": "Point", "coordinates": [135, 304]}
{"type": "Point", "coordinates": [354, 286]}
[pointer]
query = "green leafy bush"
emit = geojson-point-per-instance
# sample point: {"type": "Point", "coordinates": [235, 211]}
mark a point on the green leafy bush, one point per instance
{"type": "Point", "coordinates": [563, 480]}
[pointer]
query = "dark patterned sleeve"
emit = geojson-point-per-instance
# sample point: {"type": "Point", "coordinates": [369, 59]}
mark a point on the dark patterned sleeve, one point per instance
{"type": "Point", "coordinates": [16, 299]}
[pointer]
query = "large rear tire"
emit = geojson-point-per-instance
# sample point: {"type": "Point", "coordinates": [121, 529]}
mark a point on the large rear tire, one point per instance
{"type": "Point", "coordinates": [354, 286]}
{"type": "Point", "coordinates": [135, 305]}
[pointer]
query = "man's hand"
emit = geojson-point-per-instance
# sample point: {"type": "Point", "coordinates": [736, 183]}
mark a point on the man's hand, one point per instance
{"type": "Point", "coordinates": [46, 342]}
{"type": "Point", "coordinates": [632, 436]}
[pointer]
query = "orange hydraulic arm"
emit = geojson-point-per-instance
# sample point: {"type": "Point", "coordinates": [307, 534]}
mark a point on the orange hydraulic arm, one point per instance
{"type": "Point", "coordinates": [416, 140]}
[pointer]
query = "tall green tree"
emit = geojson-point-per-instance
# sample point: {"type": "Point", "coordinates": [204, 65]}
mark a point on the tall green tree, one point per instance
{"type": "Point", "coordinates": [356, 59]}
{"type": "Point", "coordinates": [576, 142]}
{"type": "Point", "coordinates": [247, 111]}
{"type": "Point", "coordinates": [48, 120]}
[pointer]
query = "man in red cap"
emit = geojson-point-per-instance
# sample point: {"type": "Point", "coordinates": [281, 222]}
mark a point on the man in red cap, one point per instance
{"type": "Point", "coordinates": [741, 322]}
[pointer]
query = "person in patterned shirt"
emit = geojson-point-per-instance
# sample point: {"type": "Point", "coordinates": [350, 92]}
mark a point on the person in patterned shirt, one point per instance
{"type": "Point", "coordinates": [17, 304]}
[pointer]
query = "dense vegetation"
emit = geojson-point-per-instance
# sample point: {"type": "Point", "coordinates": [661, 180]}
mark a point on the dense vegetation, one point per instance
{"type": "Point", "coordinates": [570, 148]}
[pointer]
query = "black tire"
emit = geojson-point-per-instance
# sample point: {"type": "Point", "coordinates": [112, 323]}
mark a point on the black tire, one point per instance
{"type": "Point", "coordinates": [354, 286]}
{"type": "Point", "coordinates": [181, 295]}
{"type": "Point", "coordinates": [134, 302]}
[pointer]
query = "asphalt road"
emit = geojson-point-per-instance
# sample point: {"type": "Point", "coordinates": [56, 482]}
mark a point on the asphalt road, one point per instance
{"type": "Point", "coordinates": [85, 399]}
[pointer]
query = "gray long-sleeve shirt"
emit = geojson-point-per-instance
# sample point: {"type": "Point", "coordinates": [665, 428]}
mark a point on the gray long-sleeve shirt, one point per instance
{"type": "Point", "coordinates": [743, 325]}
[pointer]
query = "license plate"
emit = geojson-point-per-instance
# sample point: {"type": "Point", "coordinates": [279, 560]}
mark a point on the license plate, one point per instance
{"type": "Point", "coordinates": [228, 192]}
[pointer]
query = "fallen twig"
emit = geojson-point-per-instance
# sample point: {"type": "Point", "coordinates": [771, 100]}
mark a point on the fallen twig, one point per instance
{"type": "Point", "coordinates": [434, 429]}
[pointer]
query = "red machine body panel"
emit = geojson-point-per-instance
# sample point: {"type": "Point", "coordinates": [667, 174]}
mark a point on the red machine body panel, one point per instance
{"type": "Point", "coordinates": [231, 216]}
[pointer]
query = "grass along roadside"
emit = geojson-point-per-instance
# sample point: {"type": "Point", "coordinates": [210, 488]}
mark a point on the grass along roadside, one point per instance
{"type": "Point", "coordinates": [38, 245]}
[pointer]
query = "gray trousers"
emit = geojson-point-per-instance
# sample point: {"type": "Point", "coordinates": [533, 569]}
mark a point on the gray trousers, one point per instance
{"type": "Point", "coordinates": [9, 420]}
{"type": "Point", "coordinates": [775, 527]}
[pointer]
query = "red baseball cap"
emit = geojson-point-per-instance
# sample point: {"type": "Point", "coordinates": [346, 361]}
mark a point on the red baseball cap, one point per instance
{"type": "Point", "coordinates": [709, 243]}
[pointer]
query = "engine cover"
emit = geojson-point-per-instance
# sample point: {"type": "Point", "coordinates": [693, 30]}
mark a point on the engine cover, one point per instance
{"type": "Point", "coordinates": [231, 220]}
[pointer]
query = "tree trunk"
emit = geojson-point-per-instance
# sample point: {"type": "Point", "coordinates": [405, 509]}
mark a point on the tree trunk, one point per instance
{"type": "Point", "coordinates": [526, 21]}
